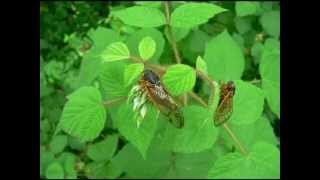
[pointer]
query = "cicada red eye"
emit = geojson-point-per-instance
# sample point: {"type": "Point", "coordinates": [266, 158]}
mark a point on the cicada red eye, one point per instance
{"type": "Point", "coordinates": [225, 105]}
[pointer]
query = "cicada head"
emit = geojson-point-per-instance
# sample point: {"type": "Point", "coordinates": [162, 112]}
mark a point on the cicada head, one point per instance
{"type": "Point", "coordinates": [151, 77]}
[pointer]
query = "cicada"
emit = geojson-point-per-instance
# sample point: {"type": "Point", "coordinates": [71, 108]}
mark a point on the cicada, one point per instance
{"type": "Point", "coordinates": [150, 88]}
{"type": "Point", "coordinates": [225, 105]}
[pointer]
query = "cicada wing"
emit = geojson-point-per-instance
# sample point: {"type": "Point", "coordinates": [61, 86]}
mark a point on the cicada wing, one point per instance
{"type": "Point", "coordinates": [177, 118]}
{"type": "Point", "coordinates": [174, 116]}
{"type": "Point", "coordinates": [223, 111]}
{"type": "Point", "coordinates": [165, 103]}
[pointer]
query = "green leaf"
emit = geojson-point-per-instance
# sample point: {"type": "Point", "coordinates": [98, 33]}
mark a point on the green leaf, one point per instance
{"type": "Point", "coordinates": [199, 132]}
{"type": "Point", "coordinates": [246, 8]}
{"type": "Point", "coordinates": [142, 136]}
{"type": "Point", "coordinates": [194, 45]}
{"type": "Point", "coordinates": [141, 16]}
{"type": "Point", "coordinates": [272, 44]}
{"type": "Point", "coordinates": [102, 37]}
{"type": "Point", "coordinates": [132, 72]}
{"type": "Point", "coordinates": [264, 7]}
{"type": "Point", "coordinates": [54, 71]}
{"type": "Point", "coordinates": [256, 51]}
{"type": "Point", "coordinates": [69, 166]}
{"type": "Point", "coordinates": [179, 33]}
{"type": "Point", "coordinates": [102, 170]}
{"type": "Point", "coordinates": [55, 114]}
{"type": "Point", "coordinates": [262, 162]}
{"type": "Point", "coordinates": [67, 160]}
{"type": "Point", "coordinates": [91, 61]}
{"type": "Point", "coordinates": [166, 134]}
{"type": "Point", "coordinates": [83, 115]}
{"type": "Point", "coordinates": [193, 165]}
{"type": "Point", "coordinates": [247, 103]}
{"type": "Point", "coordinates": [270, 22]}
{"type": "Point", "coordinates": [270, 73]}
{"type": "Point", "coordinates": [104, 149]}
{"type": "Point", "coordinates": [224, 58]}
{"type": "Point", "coordinates": [249, 134]}
{"type": "Point", "coordinates": [75, 143]}
{"type": "Point", "coordinates": [112, 79]}
{"type": "Point", "coordinates": [162, 164]}
{"type": "Point", "coordinates": [179, 79]}
{"type": "Point", "coordinates": [44, 89]}
{"type": "Point", "coordinates": [58, 143]}
{"type": "Point", "coordinates": [115, 52]}
{"type": "Point", "coordinates": [243, 25]}
{"type": "Point", "coordinates": [135, 38]}
{"type": "Point", "coordinates": [272, 90]}
{"type": "Point", "coordinates": [46, 157]}
{"type": "Point", "coordinates": [239, 40]}
{"type": "Point", "coordinates": [201, 65]}
{"type": "Point", "coordinates": [54, 171]}
{"type": "Point", "coordinates": [190, 15]}
{"type": "Point", "coordinates": [45, 125]}
{"type": "Point", "coordinates": [153, 166]}
{"type": "Point", "coordinates": [88, 70]}
{"type": "Point", "coordinates": [147, 48]}
{"type": "Point", "coordinates": [198, 40]}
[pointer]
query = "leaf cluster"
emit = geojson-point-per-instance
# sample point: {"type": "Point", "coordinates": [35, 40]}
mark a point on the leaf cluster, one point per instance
{"type": "Point", "coordinates": [93, 53]}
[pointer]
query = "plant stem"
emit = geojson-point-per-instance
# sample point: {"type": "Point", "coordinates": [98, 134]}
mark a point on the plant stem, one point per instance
{"type": "Point", "coordinates": [235, 139]}
{"type": "Point", "coordinates": [173, 42]}
{"type": "Point", "coordinates": [198, 98]}
{"type": "Point", "coordinates": [159, 68]}
{"type": "Point", "coordinates": [167, 11]}
{"type": "Point", "coordinates": [206, 78]}
{"type": "Point", "coordinates": [172, 36]}
{"type": "Point", "coordinates": [209, 80]}
{"type": "Point", "coordinates": [113, 101]}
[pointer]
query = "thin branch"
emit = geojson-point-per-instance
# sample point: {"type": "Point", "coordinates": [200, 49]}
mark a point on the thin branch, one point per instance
{"type": "Point", "coordinates": [210, 81]}
{"type": "Point", "coordinates": [171, 34]}
{"type": "Point", "coordinates": [159, 68]}
{"type": "Point", "coordinates": [235, 139]}
{"type": "Point", "coordinates": [185, 99]}
{"type": "Point", "coordinates": [167, 12]}
{"type": "Point", "coordinates": [199, 99]}
{"type": "Point", "coordinates": [113, 101]}
{"type": "Point", "coordinates": [173, 43]}
{"type": "Point", "coordinates": [205, 78]}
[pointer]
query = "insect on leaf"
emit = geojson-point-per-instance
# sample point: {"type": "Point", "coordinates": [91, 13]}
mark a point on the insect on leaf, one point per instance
{"type": "Point", "coordinates": [225, 106]}
{"type": "Point", "coordinates": [150, 84]}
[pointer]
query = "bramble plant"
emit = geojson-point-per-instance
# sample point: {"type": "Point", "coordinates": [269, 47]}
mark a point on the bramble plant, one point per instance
{"type": "Point", "coordinates": [213, 112]}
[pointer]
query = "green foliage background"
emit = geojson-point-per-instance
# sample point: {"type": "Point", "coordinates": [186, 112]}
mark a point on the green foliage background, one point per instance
{"type": "Point", "coordinates": [82, 137]}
